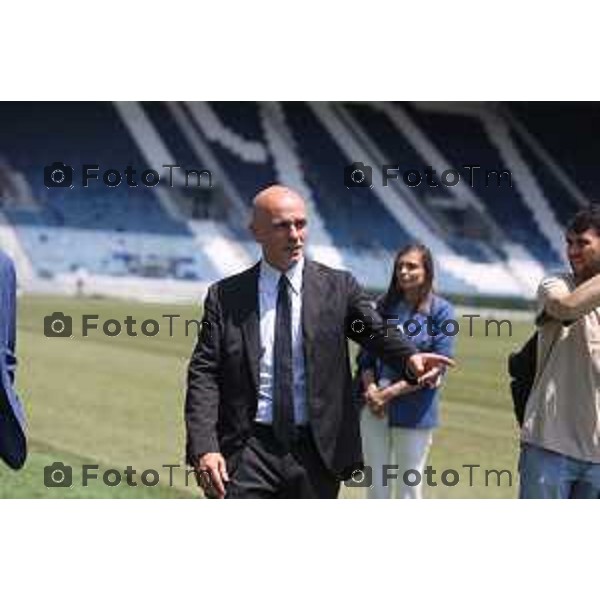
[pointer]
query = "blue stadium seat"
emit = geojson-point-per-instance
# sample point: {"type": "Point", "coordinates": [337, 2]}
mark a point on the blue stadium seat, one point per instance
{"type": "Point", "coordinates": [353, 216]}
{"type": "Point", "coordinates": [569, 131]}
{"type": "Point", "coordinates": [397, 150]}
{"type": "Point", "coordinates": [463, 142]}
{"type": "Point", "coordinates": [85, 227]}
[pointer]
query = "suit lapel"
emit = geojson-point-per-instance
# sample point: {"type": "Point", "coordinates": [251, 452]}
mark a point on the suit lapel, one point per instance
{"type": "Point", "coordinates": [250, 323]}
{"type": "Point", "coordinates": [310, 309]}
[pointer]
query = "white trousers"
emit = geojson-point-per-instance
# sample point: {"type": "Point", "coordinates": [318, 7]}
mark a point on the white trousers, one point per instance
{"type": "Point", "coordinates": [402, 448]}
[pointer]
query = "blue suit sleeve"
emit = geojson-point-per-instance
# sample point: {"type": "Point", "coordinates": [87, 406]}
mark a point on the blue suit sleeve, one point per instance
{"type": "Point", "coordinates": [9, 326]}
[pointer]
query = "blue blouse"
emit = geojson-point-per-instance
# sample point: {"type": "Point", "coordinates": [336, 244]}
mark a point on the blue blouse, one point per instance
{"type": "Point", "coordinates": [418, 409]}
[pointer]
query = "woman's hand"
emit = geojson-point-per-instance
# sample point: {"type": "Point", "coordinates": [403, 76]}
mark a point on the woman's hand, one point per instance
{"type": "Point", "coordinates": [375, 400]}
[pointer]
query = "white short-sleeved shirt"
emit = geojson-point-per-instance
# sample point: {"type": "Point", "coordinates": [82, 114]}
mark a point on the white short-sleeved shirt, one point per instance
{"type": "Point", "coordinates": [563, 410]}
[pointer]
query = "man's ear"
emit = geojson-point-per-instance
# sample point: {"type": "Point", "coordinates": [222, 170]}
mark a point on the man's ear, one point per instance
{"type": "Point", "coordinates": [254, 230]}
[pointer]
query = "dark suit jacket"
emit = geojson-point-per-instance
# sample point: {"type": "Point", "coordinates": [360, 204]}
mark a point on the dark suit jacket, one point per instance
{"type": "Point", "coordinates": [13, 447]}
{"type": "Point", "coordinates": [223, 374]}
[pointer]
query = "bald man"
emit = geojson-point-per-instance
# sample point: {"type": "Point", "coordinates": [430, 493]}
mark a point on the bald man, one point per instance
{"type": "Point", "coordinates": [269, 411]}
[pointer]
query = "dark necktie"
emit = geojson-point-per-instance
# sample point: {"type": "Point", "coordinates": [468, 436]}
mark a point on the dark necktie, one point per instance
{"type": "Point", "coordinates": [283, 381]}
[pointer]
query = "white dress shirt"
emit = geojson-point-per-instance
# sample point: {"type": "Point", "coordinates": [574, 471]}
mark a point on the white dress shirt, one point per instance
{"type": "Point", "coordinates": [268, 282]}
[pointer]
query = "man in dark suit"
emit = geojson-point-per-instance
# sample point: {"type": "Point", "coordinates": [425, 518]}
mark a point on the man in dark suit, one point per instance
{"type": "Point", "coordinates": [13, 447]}
{"type": "Point", "coordinates": [269, 410]}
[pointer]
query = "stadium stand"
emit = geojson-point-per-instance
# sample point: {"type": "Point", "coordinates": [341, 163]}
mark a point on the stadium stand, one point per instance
{"type": "Point", "coordinates": [566, 132]}
{"type": "Point", "coordinates": [488, 239]}
{"type": "Point", "coordinates": [461, 138]}
{"type": "Point", "coordinates": [116, 231]}
{"type": "Point", "coordinates": [397, 150]}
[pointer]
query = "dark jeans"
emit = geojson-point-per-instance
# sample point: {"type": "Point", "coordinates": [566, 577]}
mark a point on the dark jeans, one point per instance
{"type": "Point", "coordinates": [265, 470]}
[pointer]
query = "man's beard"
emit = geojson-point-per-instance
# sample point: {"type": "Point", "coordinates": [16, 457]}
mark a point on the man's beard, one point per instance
{"type": "Point", "coordinates": [588, 271]}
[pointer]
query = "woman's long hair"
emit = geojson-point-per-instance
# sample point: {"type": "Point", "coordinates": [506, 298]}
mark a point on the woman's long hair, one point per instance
{"type": "Point", "coordinates": [393, 295]}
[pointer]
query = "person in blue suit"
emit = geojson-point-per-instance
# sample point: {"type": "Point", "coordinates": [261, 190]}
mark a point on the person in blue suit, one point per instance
{"type": "Point", "coordinates": [13, 445]}
{"type": "Point", "coordinates": [398, 418]}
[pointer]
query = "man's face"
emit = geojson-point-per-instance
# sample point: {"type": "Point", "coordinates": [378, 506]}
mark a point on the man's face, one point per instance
{"type": "Point", "coordinates": [279, 226]}
{"type": "Point", "coordinates": [583, 252]}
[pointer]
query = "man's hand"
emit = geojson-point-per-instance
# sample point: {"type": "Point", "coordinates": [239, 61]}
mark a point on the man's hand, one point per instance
{"type": "Point", "coordinates": [434, 379]}
{"type": "Point", "coordinates": [427, 367]}
{"type": "Point", "coordinates": [211, 472]}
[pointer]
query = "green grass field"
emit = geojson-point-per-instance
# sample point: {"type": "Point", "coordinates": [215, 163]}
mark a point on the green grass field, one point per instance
{"type": "Point", "coordinates": [118, 401]}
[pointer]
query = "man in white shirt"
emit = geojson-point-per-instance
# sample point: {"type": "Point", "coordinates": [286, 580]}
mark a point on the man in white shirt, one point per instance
{"type": "Point", "coordinates": [560, 455]}
{"type": "Point", "coordinates": [269, 410]}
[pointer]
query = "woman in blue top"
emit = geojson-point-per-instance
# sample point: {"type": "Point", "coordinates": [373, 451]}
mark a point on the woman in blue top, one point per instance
{"type": "Point", "coordinates": [398, 420]}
